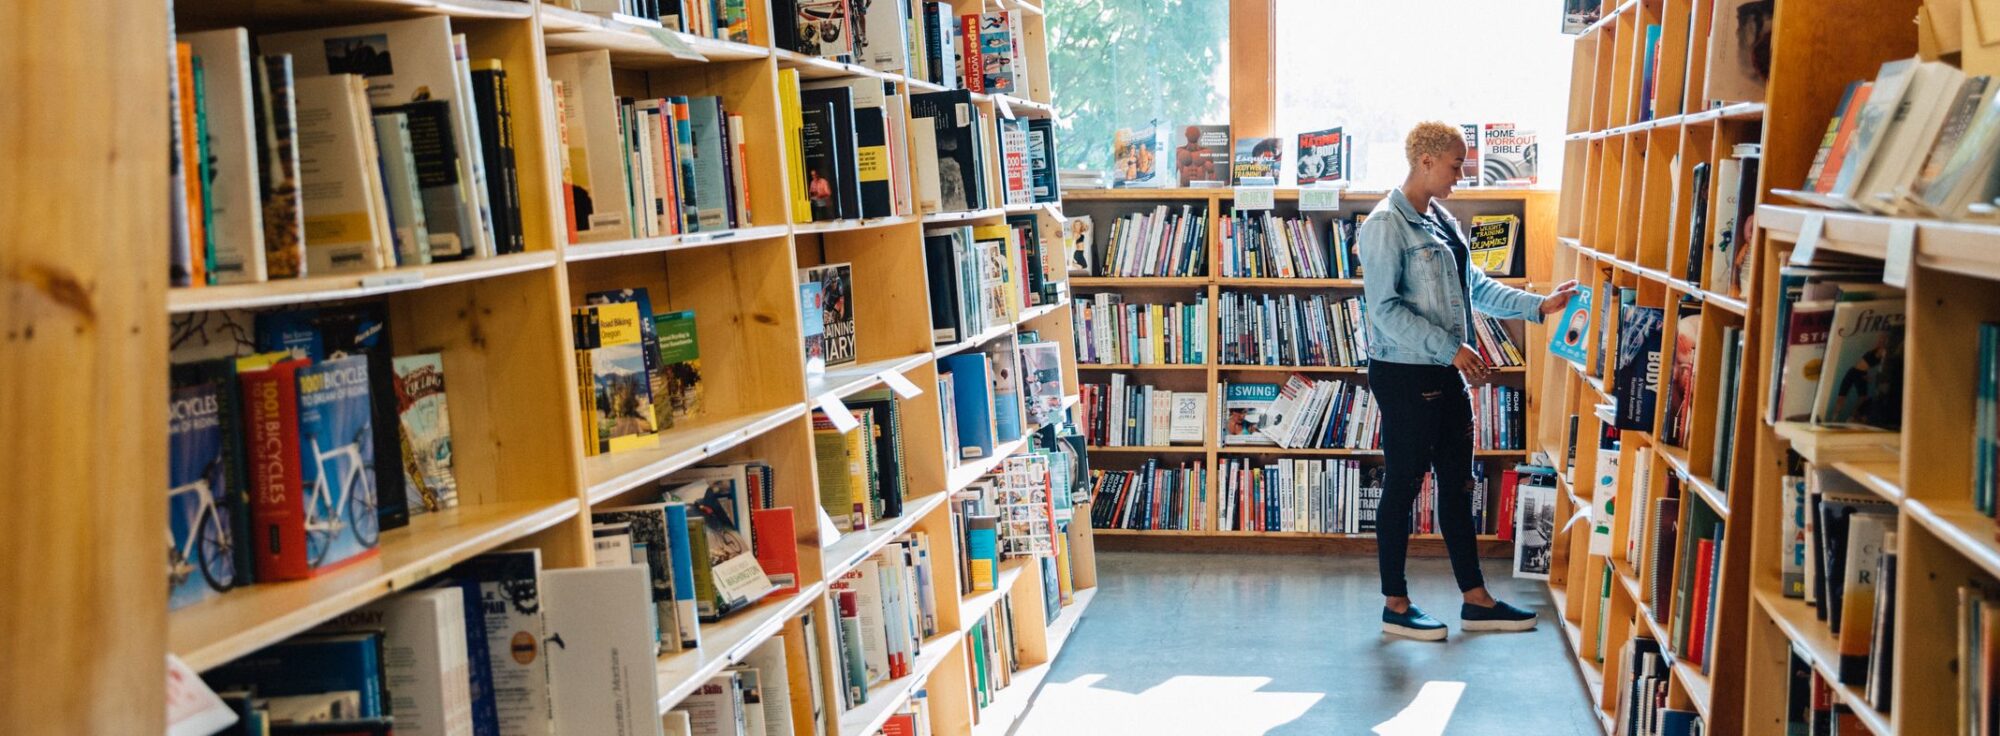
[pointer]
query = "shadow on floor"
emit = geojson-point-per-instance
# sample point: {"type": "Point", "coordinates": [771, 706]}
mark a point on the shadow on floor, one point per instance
{"type": "Point", "coordinates": [1246, 645]}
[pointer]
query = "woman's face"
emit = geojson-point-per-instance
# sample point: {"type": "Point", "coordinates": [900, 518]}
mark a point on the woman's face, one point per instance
{"type": "Point", "coordinates": [1440, 172]}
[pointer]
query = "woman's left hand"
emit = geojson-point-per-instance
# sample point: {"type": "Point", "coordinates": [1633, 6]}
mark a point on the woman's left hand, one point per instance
{"type": "Point", "coordinates": [1559, 298]}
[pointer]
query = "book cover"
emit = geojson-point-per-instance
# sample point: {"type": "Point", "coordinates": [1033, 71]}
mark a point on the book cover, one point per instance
{"type": "Point", "coordinates": [1507, 156]}
{"type": "Point", "coordinates": [1135, 154]}
{"type": "Point", "coordinates": [1247, 413]}
{"type": "Point", "coordinates": [345, 221]}
{"type": "Point", "coordinates": [1042, 379]}
{"type": "Point", "coordinates": [1323, 156]}
{"type": "Point", "coordinates": [775, 689]}
{"type": "Point", "coordinates": [680, 363]}
{"type": "Point", "coordinates": [1680, 376]}
{"type": "Point", "coordinates": [824, 29]}
{"type": "Point", "coordinates": [234, 196]}
{"type": "Point", "coordinates": [201, 502]}
{"type": "Point", "coordinates": [337, 448]}
{"type": "Point", "coordinates": [656, 377]}
{"type": "Point", "coordinates": [404, 191]}
{"type": "Point", "coordinates": [1044, 185]}
{"type": "Point", "coordinates": [777, 547]}
{"type": "Point", "coordinates": [1014, 151]}
{"type": "Point", "coordinates": [1571, 337]}
{"type": "Point", "coordinates": [605, 664]}
{"type": "Point", "coordinates": [1000, 52]}
{"type": "Point", "coordinates": [278, 159]}
{"type": "Point", "coordinates": [1258, 161]}
{"type": "Point", "coordinates": [425, 430]}
{"type": "Point", "coordinates": [425, 661]}
{"type": "Point", "coordinates": [861, 145]}
{"type": "Point", "coordinates": [812, 321]}
{"type": "Point", "coordinates": [1202, 160]}
{"type": "Point", "coordinates": [649, 532]}
{"type": "Point", "coordinates": [510, 603]}
{"type": "Point", "coordinates": [1740, 61]}
{"type": "Point", "coordinates": [1189, 410]}
{"type": "Point", "coordinates": [710, 182]}
{"type": "Point", "coordinates": [496, 136]}
{"type": "Point", "coordinates": [1697, 237]}
{"type": "Point", "coordinates": [880, 35]}
{"type": "Point", "coordinates": [611, 357]}
{"type": "Point", "coordinates": [1637, 378]}
{"type": "Point", "coordinates": [1866, 533]}
{"type": "Point", "coordinates": [723, 524]}
{"type": "Point", "coordinates": [1492, 243]}
{"type": "Point", "coordinates": [1862, 376]}
{"type": "Point", "coordinates": [841, 458]}
{"type": "Point", "coordinates": [1578, 15]}
{"type": "Point", "coordinates": [311, 664]}
{"type": "Point", "coordinates": [359, 328]}
{"type": "Point", "coordinates": [954, 121]}
{"type": "Point", "coordinates": [1534, 531]}
{"type": "Point", "coordinates": [836, 298]}
{"type": "Point", "coordinates": [599, 185]}
{"type": "Point", "coordinates": [973, 404]}
{"type": "Point", "coordinates": [1468, 172]}
{"type": "Point", "coordinates": [1079, 234]}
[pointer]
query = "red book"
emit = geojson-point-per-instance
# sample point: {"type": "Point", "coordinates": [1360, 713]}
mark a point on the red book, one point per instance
{"type": "Point", "coordinates": [1504, 525]}
{"type": "Point", "coordinates": [776, 538]}
{"type": "Point", "coordinates": [1697, 610]}
{"type": "Point", "coordinates": [974, 64]}
{"type": "Point", "coordinates": [901, 724]}
{"type": "Point", "coordinates": [1837, 156]}
{"type": "Point", "coordinates": [276, 482]}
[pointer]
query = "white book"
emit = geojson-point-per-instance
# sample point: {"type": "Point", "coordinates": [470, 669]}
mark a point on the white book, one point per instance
{"type": "Point", "coordinates": [1872, 125]}
{"type": "Point", "coordinates": [900, 189]}
{"type": "Point", "coordinates": [676, 723]}
{"type": "Point", "coordinates": [377, 187]}
{"type": "Point", "coordinates": [1159, 417]}
{"type": "Point", "coordinates": [597, 166]}
{"type": "Point", "coordinates": [895, 608]}
{"type": "Point", "coordinates": [770, 662]}
{"type": "Point", "coordinates": [604, 669]}
{"type": "Point", "coordinates": [404, 194]}
{"type": "Point", "coordinates": [1912, 128]}
{"type": "Point", "coordinates": [750, 687]}
{"type": "Point", "coordinates": [1188, 408]}
{"type": "Point", "coordinates": [234, 195]}
{"type": "Point", "coordinates": [462, 58]}
{"type": "Point", "coordinates": [923, 147]}
{"type": "Point", "coordinates": [340, 209]}
{"type": "Point", "coordinates": [645, 117]}
{"type": "Point", "coordinates": [424, 658]}
{"type": "Point", "coordinates": [1728, 177]}
{"type": "Point", "coordinates": [426, 66]}
{"type": "Point", "coordinates": [866, 582]}
{"type": "Point", "coordinates": [715, 708]}
{"type": "Point", "coordinates": [883, 42]}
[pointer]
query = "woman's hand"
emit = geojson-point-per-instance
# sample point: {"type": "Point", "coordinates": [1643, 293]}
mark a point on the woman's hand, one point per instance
{"type": "Point", "coordinates": [1559, 298]}
{"type": "Point", "coordinates": [1470, 365]}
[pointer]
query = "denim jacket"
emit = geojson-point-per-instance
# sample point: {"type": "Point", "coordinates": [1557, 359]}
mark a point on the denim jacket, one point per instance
{"type": "Point", "coordinates": [1415, 307]}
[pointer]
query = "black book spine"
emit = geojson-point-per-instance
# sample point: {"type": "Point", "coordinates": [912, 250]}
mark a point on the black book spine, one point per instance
{"type": "Point", "coordinates": [496, 125]}
{"type": "Point", "coordinates": [1698, 222]}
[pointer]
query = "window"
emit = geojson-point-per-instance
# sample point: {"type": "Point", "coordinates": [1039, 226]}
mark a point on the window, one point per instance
{"type": "Point", "coordinates": [1129, 63]}
{"type": "Point", "coordinates": [1376, 68]}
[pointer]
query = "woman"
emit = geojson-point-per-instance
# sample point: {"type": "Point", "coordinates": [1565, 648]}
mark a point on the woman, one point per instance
{"type": "Point", "coordinates": [1420, 300]}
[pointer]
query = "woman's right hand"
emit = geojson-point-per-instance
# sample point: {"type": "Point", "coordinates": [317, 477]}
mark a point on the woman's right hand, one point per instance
{"type": "Point", "coordinates": [1470, 365]}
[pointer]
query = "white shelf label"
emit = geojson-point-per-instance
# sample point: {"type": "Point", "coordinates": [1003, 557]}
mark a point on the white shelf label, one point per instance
{"type": "Point", "coordinates": [901, 385]}
{"type": "Point", "coordinates": [1256, 198]}
{"type": "Point", "coordinates": [1006, 110]}
{"type": "Point", "coordinates": [391, 279]}
{"type": "Point", "coordinates": [1809, 232]}
{"type": "Point", "coordinates": [1319, 200]}
{"type": "Point", "coordinates": [674, 44]}
{"type": "Point", "coordinates": [1902, 250]}
{"type": "Point", "coordinates": [836, 412]}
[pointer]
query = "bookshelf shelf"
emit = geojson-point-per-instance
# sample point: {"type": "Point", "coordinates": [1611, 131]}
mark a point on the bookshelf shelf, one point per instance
{"type": "Point", "coordinates": [1340, 452]}
{"type": "Point", "coordinates": [845, 380]}
{"type": "Point", "coordinates": [1960, 527]}
{"type": "Point", "coordinates": [976, 605]}
{"type": "Point", "coordinates": [221, 629]}
{"type": "Point", "coordinates": [883, 699]}
{"type": "Point", "coordinates": [1142, 367]}
{"type": "Point", "coordinates": [614, 473]}
{"type": "Point", "coordinates": [727, 642]}
{"type": "Point", "coordinates": [1142, 450]}
{"type": "Point", "coordinates": [1677, 460]}
{"type": "Point", "coordinates": [937, 218]}
{"type": "Point", "coordinates": [1000, 717]}
{"type": "Point", "coordinates": [963, 475]}
{"type": "Point", "coordinates": [1810, 638]}
{"type": "Point", "coordinates": [1814, 443]}
{"type": "Point", "coordinates": [853, 547]}
{"type": "Point", "coordinates": [617, 248]}
{"type": "Point", "coordinates": [1880, 476]}
{"type": "Point", "coordinates": [846, 226]}
{"type": "Point", "coordinates": [1094, 282]}
{"type": "Point", "coordinates": [637, 43]}
{"type": "Point", "coordinates": [353, 285]}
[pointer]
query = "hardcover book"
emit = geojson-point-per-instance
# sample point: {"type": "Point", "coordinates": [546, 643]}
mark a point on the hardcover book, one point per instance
{"type": "Point", "coordinates": [1202, 160]}
{"type": "Point", "coordinates": [1637, 377]}
{"type": "Point", "coordinates": [836, 298]}
{"type": "Point", "coordinates": [338, 452]}
{"type": "Point", "coordinates": [954, 122]}
{"type": "Point", "coordinates": [1861, 379]}
{"type": "Point", "coordinates": [360, 328]}
{"type": "Point", "coordinates": [425, 427]}
{"type": "Point", "coordinates": [1324, 156]}
{"type": "Point", "coordinates": [201, 502]}
{"type": "Point", "coordinates": [1508, 156]}
{"type": "Point", "coordinates": [1258, 161]}
{"type": "Point", "coordinates": [973, 404]}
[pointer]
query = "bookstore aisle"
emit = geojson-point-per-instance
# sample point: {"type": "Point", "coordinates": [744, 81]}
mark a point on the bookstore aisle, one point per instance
{"type": "Point", "coordinates": [1246, 644]}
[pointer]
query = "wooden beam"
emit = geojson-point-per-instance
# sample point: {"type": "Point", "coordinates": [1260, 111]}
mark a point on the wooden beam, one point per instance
{"type": "Point", "coordinates": [1253, 80]}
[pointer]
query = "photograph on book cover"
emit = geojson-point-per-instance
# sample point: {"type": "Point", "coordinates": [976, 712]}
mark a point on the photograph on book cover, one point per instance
{"type": "Point", "coordinates": [1534, 540]}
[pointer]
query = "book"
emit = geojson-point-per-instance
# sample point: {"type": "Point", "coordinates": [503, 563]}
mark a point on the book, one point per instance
{"type": "Point", "coordinates": [1248, 413]}
{"type": "Point", "coordinates": [1000, 64]}
{"type": "Point", "coordinates": [973, 404]}
{"type": "Point", "coordinates": [611, 362]}
{"type": "Point", "coordinates": [860, 154]}
{"type": "Point", "coordinates": [1202, 159]}
{"type": "Point", "coordinates": [1324, 156]}
{"type": "Point", "coordinates": [425, 432]}
{"type": "Point", "coordinates": [1257, 161]}
{"type": "Point", "coordinates": [954, 122]}
{"type": "Point", "coordinates": [1534, 528]}
{"type": "Point", "coordinates": [1862, 377]}
{"type": "Point", "coordinates": [1042, 381]}
{"type": "Point", "coordinates": [312, 664]}
{"type": "Point", "coordinates": [719, 518]}
{"type": "Point", "coordinates": [494, 116]}
{"type": "Point", "coordinates": [359, 328]}
{"type": "Point", "coordinates": [278, 160]}
{"type": "Point", "coordinates": [1571, 338]}
{"type": "Point", "coordinates": [234, 196]}
{"type": "Point", "coordinates": [1469, 172]}
{"type": "Point", "coordinates": [716, 706]}
{"type": "Point", "coordinates": [202, 495]}
{"type": "Point", "coordinates": [425, 661]}
{"type": "Point", "coordinates": [823, 28]}
{"type": "Point", "coordinates": [1680, 380]}
{"type": "Point", "coordinates": [337, 443]}
{"type": "Point", "coordinates": [508, 586]}
{"type": "Point", "coordinates": [836, 290]}
{"type": "Point", "coordinates": [1508, 156]}
{"type": "Point", "coordinates": [1189, 408]}
{"type": "Point", "coordinates": [680, 363]}
{"type": "Point", "coordinates": [1636, 382]}
{"type": "Point", "coordinates": [649, 534]}
{"type": "Point", "coordinates": [1135, 154]}
{"type": "Point", "coordinates": [1492, 240]}
{"type": "Point", "coordinates": [605, 664]}
{"type": "Point", "coordinates": [346, 215]}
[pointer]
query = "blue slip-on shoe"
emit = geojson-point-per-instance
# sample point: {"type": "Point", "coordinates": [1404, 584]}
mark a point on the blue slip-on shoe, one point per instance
{"type": "Point", "coordinates": [1413, 623]}
{"type": "Point", "coordinates": [1501, 616]}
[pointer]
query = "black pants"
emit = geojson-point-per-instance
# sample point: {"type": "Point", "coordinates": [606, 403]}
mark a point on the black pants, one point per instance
{"type": "Point", "coordinates": [1426, 426]}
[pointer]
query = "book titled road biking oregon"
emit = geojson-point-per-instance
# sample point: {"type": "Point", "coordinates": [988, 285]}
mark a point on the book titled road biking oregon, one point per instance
{"type": "Point", "coordinates": [337, 450]}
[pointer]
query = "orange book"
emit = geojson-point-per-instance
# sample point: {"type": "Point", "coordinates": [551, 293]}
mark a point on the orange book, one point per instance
{"type": "Point", "coordinates": [1838, 155]}
{"type": "Point", "coordinates": [773, 533]}
{"type": "Point", "coordinates": [191, 166]}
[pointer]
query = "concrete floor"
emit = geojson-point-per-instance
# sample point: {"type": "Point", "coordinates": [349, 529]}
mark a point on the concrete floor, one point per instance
{"type": "Point", "coordinates": [1242, 645]}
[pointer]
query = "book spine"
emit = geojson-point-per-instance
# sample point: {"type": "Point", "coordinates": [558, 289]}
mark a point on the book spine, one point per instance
{"type": "Point", "coordinates": [972, 69]}
{"type": "Point", "coordinates": [271, 436]}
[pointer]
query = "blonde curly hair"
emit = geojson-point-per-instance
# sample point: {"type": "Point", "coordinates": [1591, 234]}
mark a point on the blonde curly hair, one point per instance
{"type": "Point", "coordinates": [1431, 137]}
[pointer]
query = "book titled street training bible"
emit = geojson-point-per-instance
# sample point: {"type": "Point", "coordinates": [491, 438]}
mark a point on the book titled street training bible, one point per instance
{"type": "Point", "coordinates": [1258, 161]}
{"type": "Point", "coordinates": [1324, 156]}
{"type": "Point", "coordinates": [836, 298]}
{"type": "Point", "coordinates": [1637, 376]}
{"type": "Point", "coordinates": [1202, 160]}
{"type": "Point", "coordinates": [1570, 340]}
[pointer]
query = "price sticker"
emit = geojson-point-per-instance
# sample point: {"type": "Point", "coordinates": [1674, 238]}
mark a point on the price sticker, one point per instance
{"type": "Point", "coordinates": [836, 412]}
{"type": "Point", "coordinates": [1902, 250]}
{"type": "Point", "coordinates": [1809, 233]}
{"type": "Point", "coordinates": [1256, 198]}
{"type": "Point", "coordinates": [1319, 200]}
{"type": "Point", "coordinates": [901, 385]}
{"type": "Point", "coordinates": [1000, 104]}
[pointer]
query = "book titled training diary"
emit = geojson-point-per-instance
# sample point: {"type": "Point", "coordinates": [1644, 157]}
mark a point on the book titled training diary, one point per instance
{"type": "Point", "coordinates": [836, 297]}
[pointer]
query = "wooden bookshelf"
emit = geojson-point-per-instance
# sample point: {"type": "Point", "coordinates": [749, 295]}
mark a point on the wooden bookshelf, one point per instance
{"type": "Point", "coordinates": [1535, 207]}
{"type": "Point", "coordinates": [94, 328]}
{"type": "Point", "coordinates": [1624, 218]}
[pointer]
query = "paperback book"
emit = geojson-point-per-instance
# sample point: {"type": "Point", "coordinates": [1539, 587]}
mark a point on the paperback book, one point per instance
{"type": "Point", "coordinates": [1258, 161]}
{"type": "Point", "coordinates": [1202, 160]}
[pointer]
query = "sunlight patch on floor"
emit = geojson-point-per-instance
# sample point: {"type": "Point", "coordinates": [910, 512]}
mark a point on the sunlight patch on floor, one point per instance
{"type": "Point", "coordinates": [1185, 705]}
{"type": "Point", "coordinates": [1428, 714]}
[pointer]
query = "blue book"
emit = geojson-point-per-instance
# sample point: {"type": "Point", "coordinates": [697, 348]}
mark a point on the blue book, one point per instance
{"type": "Point", "coordinates": [710, 185]}
{"type": "Point", "coordinates": [1678, 722]}
{"type": "Point", "coordinates": [337, 453]}
{"type": "Point", "coordinates": [972, 404]}
{"type": "Point", "coordinates": [479, 665]}
{"type": "Point", "coordinates": [1569, 337]}
{"type": "Point", "coordinates": [1006, 397]}
{"type": "Point", "coordinates": [202, 560]}
{"type": "Point", "coordinates": [311, 664]}
{"type": "Point", "coordinates": [681, 546]}
{"type": "Point", "coordinates": [1647, 105]}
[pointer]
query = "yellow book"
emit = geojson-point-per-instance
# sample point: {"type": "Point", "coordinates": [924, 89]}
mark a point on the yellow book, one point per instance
{"type": "Point", "coordinates": [1158, 315]}
{"type": "Point", "coordinates": [795, 147]}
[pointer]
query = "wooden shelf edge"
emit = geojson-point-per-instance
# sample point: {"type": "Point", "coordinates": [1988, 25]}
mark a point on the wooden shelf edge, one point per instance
{"type": "Point", "coordinates": [592, 251]}
{"type": "Point", "coordinates": [283, 292]}
{"type": "Point", "coordinates": [883, 699]}
{"type": "Point", "coordinates": [1810, 637]}
{"type": "Point", "coordinates": [974, 606]}
{"type": "Point", "coordinates": [854, 547]}
{"type": "Point", "coordinates": [727, 642]}
{"type": "Point", "coordinates": [614, 473]}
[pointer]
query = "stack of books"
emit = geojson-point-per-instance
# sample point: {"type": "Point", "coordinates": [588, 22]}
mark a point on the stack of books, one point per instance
{"type": "Point", "coordinates": [1293, 330]}
{"type": "Point", "coordinates": [1108, 330]}
{"type": "Point", "coordinates": [1121, 414]}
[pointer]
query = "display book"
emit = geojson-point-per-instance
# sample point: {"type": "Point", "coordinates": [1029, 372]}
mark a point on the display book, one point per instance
{"type": "Point", "coordinates": [1838, 554]}
{"type": "Point", "coordinates": [981, 277]}
{"type": "Point", "coordinates": [1838, 347]}
{"type": "Point", "coordinates": [1325, 157]}
{"type": "Point", "coordinates": [297, 395]}
{"type": "Point", "coordinates": [1111, 331]}
{"type": "Point", "coordinates": [1203, 157]}
{"type": "Point", "coordinates": [413, 167]}
{"type": "Point", "coordinates": [638, 371]}
{"type": "Point", "coordinates": [1508, 156]}
{"type": "Point", "coordinates": [999, 393]}
{"type": "Point", "coordinates": [644, 167]}
{"type": "Point", "coordinates": [923, 40]}
{"type": "Point", "coordinates": [1161, 243]}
